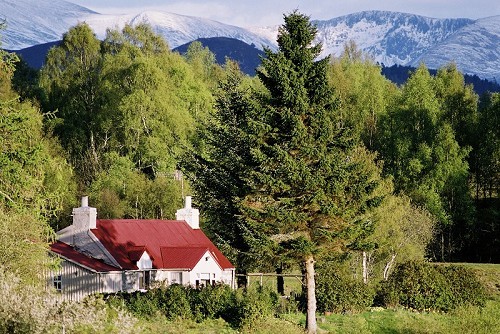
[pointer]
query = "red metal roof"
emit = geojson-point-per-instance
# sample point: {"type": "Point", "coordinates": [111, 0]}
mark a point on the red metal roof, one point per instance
{"type": "Point", "coordinates": [182, 257]}
{"type": "Point", "coordinates": [68, 252]}
{"type": "Point", "coordinates": [123, 237]}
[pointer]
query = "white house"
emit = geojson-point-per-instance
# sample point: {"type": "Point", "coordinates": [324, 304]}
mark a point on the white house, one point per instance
{"type": "Point", "coordinates": [111, 255]}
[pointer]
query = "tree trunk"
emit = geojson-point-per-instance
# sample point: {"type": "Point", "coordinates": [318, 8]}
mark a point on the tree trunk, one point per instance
{"type": "Point", "coordinates": [280, 281]}
{"type": "Point", "coordinates": [442, 245]}
{"type": "Point", "coordinates": [311, 326]}
{"type": "Point", "coordinates": [365, 269]}
{"type": "Point", "coordinates": [388, 266]}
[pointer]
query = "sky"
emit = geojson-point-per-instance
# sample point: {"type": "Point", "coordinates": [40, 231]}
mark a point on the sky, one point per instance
{"type": "Point", "coordinates": [270, 12]}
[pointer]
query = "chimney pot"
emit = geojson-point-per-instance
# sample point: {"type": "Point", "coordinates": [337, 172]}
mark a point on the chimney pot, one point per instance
{"type": "Point", "coordinates": [85, 201]}
{"type": "Point", "coordinates": [188, 202]}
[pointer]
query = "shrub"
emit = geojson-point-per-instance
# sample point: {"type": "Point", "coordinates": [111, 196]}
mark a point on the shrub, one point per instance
{"type": "Point", "coordinates": [335, 292]}
{"type": "Point", "coordinates": [174, 302]}
{"type": "Point", "coordinates": [466, 289]}
{"type": "Point", "coordinates": [240, 308]}
{"type": "Point", "coordinates": [142, 304]}
{"type": "Point", "coordinates": [28, 309]}
{"type": "Point", "coordinates": [252, 305]}
{"type": "Point", "coordinates": [213, 302]}
{"type": "Point", "coordinates": [423, 286]}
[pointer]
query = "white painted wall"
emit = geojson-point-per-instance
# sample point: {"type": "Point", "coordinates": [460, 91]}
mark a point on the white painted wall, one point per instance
{"type": "Point", "coordinates": [206, 266]}
{"type": "Point", "coordinates": [145, 262]}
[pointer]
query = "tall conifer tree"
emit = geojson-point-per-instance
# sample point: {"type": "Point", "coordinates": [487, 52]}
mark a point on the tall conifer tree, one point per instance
{"type": "Point", "coordinates": [313, 182]}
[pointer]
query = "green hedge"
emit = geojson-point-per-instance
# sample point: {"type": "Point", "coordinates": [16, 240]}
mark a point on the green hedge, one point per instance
{"type": "Point", "coordinates": [240, 307]}
{"type": "Point", "coordinates": [425, 286]}
{"type": "Point", "coordinates": [339, 293]}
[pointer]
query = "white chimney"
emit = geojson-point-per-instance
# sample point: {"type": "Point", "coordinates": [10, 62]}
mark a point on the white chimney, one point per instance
{"type": "Point", "coordinates": [84, 217]}
{"type": "Point", "coordinates": [189, 214]}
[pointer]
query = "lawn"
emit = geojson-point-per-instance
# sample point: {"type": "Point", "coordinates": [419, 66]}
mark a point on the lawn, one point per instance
{"type": "Point", "coordinates": [473, 320]}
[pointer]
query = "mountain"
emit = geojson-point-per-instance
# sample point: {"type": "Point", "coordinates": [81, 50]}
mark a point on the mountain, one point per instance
{"type": "Point", "coordinates": [34, 22]}
{"type": "Point", "coordinates": [247, 56]}
{"type": "Point", "coordinates": [388, 37]}
{"type": "Point", "coordinates": [406, 39]}
{"type": "Point", "coordinates": [177, 29]}
{"type": "Point", "coordinates": [34, 55]}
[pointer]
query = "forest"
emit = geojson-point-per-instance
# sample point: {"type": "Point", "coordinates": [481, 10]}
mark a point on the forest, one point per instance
{"type": "Point", "coordinates": [312, 163]}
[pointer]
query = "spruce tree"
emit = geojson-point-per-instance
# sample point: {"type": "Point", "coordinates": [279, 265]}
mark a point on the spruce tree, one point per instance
{"type": "Point", "coordinates": [313, 182]}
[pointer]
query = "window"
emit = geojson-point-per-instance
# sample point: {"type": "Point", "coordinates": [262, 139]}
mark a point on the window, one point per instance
{"type": "Point", "coordinates": [57, 280]}
{"type": "Point", "coordinates": [176, 278]}
{"type": "Point", "coordinates": [205, 279]}
{"type": "Point", "coordinates": [144, 279]}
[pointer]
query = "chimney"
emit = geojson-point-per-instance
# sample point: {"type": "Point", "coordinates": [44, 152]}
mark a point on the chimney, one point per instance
{"type": "Point", "coordinates": [84, 217]}
{"type": "Point", "coordinates": [190, 215]}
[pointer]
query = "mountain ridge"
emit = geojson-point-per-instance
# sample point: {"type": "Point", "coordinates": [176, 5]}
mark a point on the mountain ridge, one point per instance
{"type": "Point", "coordinates": [387, 37]}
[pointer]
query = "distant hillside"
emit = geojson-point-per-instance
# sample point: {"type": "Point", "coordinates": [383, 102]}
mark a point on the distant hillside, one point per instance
{"type": "Point", "coordinates": [35, 55]}
{"type": "Point", "coordinates": [247, 56]}
{"type": "Point", "coordinates": [399, 74]}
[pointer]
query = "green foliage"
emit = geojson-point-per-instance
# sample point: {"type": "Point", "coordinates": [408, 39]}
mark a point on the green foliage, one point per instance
{"type": "Point", "coordinates": [253, 305]}
{"type": "Point", "coordinates": [338, 292]}
{"type": "Point", "coordinates": [213, 302]}
{"type": "Point", "coordinates": [35, 186]}
{"type": "Point", "coordinates": [123, 191]}
{"type": "Point", "coordinates": [486, 151]}
{"type": "Point", "coordinates": [362, 92]}
{"type": "Point", "coordinates": [419, 147]}
{"type": "Point", "coordinates": [218, 168]}
{"type": "Point", "coordinates": [126, 109]}
{"type": "Point", "coordinates": [240, 308]}
{"type": "Point", "coordinates": [403, 232]}
{"type": "Point", "coordinates": [423, 286]}
{"type": "Point", "coordinates": [175, 303]}
{"type": "Point", "coordinates": [25, 308]}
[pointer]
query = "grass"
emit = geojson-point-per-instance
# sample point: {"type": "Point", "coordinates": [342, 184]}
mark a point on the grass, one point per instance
{"type": "Point", "coordinates": [291, 284]}
{"type": "Point", "coordinates": [467, 320]}
{"type": "Point", "coordinates": [488, 274]}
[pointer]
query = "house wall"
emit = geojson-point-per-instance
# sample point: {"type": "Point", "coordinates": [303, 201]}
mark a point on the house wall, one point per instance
{"type": "Point", "coordinates": [208, 267]}
{"type": "Point", "coordinates": [78, 282]}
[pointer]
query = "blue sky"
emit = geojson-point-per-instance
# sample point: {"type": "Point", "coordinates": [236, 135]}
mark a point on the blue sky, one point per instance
{"type": "Point", "coordinates": [270, 12]}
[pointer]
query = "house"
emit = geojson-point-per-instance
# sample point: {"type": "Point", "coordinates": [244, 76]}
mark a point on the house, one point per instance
{"type": "Point", "coordinates": [111, 255]}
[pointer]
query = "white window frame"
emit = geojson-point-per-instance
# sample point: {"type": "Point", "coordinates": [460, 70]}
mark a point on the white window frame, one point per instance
{"type": "Point", "coordinates": [57, 282]}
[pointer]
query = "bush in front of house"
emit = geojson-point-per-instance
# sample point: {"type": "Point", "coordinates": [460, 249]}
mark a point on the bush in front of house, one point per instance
{"type": "Point", "coordinates": [212, 302]}
{"type": "Point", "coordinates": [242, 307]}
{"type": "Point", "coordinates": [252, 305]}
{"type": "Point", "coordinates": [337, 292]}
{"type": "Point", "coordinates": [424, 286]}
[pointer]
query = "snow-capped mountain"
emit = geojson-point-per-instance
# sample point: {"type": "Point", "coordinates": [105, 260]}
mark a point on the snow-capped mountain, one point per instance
{"type": "Point", "coordinates": [406, 39]}
{"type": "Point", "coordinates": [392, 38]}
{"type": "Point", "coordinates": [475, 49]}
{"type": "Point", "coordinates": [388, 37]}
{"type": "Point", "coordinates": [31, 22]}
{"type": "Point", "coordinates": [177, 29]}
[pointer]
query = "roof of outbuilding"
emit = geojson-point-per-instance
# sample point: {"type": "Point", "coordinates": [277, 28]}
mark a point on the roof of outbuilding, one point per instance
{"type": "Point", "coordinates": [123, 237]}
{"type": "Point", "coordinates": [71, 254]}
